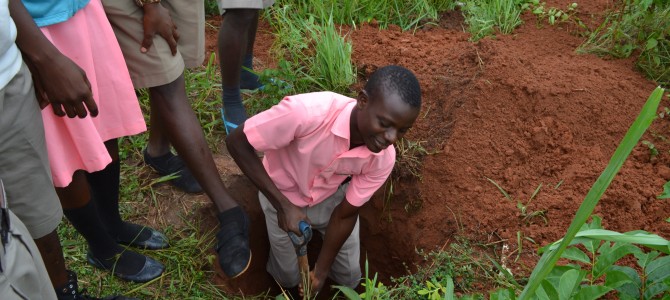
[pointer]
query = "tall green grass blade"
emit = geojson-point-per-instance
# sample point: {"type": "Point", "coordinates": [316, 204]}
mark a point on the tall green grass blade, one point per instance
{"type": "Point", "coordinates": [635, 237]}
{"type": "Point", "coordinates": [630, 140]}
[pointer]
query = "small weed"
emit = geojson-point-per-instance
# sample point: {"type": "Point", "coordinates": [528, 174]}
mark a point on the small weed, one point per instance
{"type": "Point", "coordinates": [524, 212]}
{"type": "Point", "coordinates": [653, 152]}
{"type": "Point", "coordinates": [553, 15]}
{"type": "Point", "coordinates": [666, 191]}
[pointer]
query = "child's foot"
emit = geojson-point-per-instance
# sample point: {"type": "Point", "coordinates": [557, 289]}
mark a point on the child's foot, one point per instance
{"type": "Point", "coordinates": [232, 243]}
{"type": "Point", "coordinates": [140, 236]}
{"type": "Point", "coordinates": [168, 164]}
{"type": "Point", "coordinates": [128, 265]}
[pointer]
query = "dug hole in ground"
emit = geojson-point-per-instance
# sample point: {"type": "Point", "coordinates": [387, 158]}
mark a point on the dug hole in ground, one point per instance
{"type": "Point", "coordinates": [522, 110]}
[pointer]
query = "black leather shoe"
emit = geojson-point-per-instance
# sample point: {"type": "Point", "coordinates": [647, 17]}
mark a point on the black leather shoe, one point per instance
{"type": "Point", "coordinates": [149, 271]}
{"type": "Point", "coordinates": [156, 241]}
{"type": "Point", "coordinates": [170, 164]}
{"type": "Point", "coordinates": [70, 291]}
{"type": "Point", "coordinates": [233, 242]}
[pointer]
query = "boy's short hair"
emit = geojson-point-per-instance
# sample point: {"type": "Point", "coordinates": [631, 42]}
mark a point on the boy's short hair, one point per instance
{"type": "Point", "coordinates": [396, 79]}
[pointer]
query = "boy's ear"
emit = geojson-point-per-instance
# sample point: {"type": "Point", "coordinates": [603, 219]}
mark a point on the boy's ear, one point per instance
{"type": "Point", "coordinates": [362, 99]}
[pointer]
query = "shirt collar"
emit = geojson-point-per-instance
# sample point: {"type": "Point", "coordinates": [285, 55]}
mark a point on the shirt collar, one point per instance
{"type": "Point", "coordinates": [342, 122]}
{"type": "Point", "coordinates": [341, 128]}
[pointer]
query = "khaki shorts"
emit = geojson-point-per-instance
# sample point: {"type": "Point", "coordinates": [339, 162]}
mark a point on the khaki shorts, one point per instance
{"type": "Point", "coordinates": [24, 163]}
{"type": "Point", "coordinates": [243, 4]}
{"type": "Point", "coordinates": [283, 262]}
{"type": "Point", "coordinates": [23, 273]}
{"type": "Point", "coordinates": [158, 66]}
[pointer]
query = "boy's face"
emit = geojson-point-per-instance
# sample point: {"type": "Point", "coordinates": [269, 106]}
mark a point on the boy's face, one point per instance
{"type": "Point", "coordinates": [383, 119]}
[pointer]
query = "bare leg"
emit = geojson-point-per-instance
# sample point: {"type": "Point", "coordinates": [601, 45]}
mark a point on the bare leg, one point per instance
{"type": "Point", "coordinates": [52, 255]}
{"type": "Point", "coordinates": [170, 103]}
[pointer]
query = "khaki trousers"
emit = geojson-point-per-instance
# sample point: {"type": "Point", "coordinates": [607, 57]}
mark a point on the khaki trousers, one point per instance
{"type": "Point", "coordinates": [283, 261]}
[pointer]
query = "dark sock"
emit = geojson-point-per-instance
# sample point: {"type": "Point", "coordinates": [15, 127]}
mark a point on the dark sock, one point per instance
{"type": "Point", "coordinates": [85, 219]}
{"type": "Point", "coordinates": [232, 106]}
{"type": "Point", "coordinates": [105, 192]}
{"type": "Point", "coordinates": [248, 80]}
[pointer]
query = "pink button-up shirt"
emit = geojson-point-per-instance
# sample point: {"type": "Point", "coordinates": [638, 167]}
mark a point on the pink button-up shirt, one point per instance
{"type": "Point", "coordinates": [306, 143]}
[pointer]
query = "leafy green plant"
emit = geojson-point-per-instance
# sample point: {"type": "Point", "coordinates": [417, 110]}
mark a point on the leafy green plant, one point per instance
{"type": "Point", "coordinates": [373, 290]}
{"type": "Point", "coordinates": [600, 274]}
{"type": "Point", "coordinates": [549, 258]}
{"type": "Point", "coordinates": [553, 15]}
{"type": "Point", "coordinates": [484, 17]}
{"type": "Point", "coordinates": [636, 25]}
{"type": "Point", "coordinates": [435, 290]}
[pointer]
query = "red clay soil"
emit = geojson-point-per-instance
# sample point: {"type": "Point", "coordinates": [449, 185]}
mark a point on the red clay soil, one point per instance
{"type": "Point", "coordinates": [521, 109]}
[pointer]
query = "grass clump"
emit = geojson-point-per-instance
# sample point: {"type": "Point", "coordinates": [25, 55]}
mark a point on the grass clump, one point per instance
{"type": "Point", "coordinates": [407, 14]}
{"type": "Point", "coordinates": [638, 26]}
{"type": "Point", "coordinates": [312, 56]}
{"type": "Point", "coordinates": [484, 17]}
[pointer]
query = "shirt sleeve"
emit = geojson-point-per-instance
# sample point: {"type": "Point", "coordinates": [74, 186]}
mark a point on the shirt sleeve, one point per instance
{"type": "Point", "coordinates": [278, 126]}
{"type": "Point", "coordinates": [363, 186]}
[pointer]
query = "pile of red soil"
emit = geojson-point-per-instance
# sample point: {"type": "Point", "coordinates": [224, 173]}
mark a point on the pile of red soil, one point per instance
{"type": "Point", "coordinates": [523, 110]}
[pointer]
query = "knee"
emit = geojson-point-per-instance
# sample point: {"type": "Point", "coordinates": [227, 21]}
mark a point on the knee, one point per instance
{"type": "Point", "coordinates": [240, 18]}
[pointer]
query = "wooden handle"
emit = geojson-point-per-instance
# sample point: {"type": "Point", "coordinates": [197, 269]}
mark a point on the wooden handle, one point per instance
{"type": "Point", "coordinates": [303, 264]}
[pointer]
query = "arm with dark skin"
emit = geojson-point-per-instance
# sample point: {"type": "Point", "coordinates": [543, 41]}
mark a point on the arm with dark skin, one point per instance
{"type": "Point", "coordinates": [288, 215]}
{"type": "Point", "coordinates": [342, 222]}
{"type": "Point", "coordinates": [57, 79]}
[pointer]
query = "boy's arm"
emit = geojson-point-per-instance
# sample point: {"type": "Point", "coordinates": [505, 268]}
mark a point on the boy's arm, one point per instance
{"type": "Point", "coordinates": [244, 154]}
{"type": "Point", "coordinates": [342, 222]}
{"type": "Point", "coordinates": [57, 79]}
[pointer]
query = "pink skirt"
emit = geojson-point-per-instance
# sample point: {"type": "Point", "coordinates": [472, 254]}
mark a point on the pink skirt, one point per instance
{"type": "Point", "coordinates": [78, 144]}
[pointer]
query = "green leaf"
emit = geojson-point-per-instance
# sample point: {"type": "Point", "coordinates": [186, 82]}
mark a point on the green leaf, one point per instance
{"type": "Point", "coordinates": [549, 290]}
{"type": "Point", "coordinates": [666, 192]}
{"type": "Point", "coordinates": [611, 255]}
{"type": "Point", "coordinates": [658, 270]}
{"type": "Point", "coordinates": [627, 290]}
{"type": "Point", "coordinates": [569, 283]}
{"type": "Point", "coordinates": [634, 237]}
{"type": "Point", "coordinates": [643, 259]}
{"type": "Point", "coordinates": [449, 294]}
{"type": "Point", "coordinates": [592, 292]}
{"type": "Point", "coordinates": [654, 290]}
{"type": "Point", "coordinates": [651, 43]}
{"type": "Point", "coordinates": [630, 140]}
{"type": "Point", "coordinates": [502, 294]}
{"type": "Point", "coordinates": [348, 292]}
{"type": "Point", "coordinates": [616, 278]}
{"type": "Point", "coordinates": [574, 253]}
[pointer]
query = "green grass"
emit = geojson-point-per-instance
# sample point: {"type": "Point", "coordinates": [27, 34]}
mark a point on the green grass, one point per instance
{"type": "Point", "coordinates": [485, 17]}
{"type": "Point", "coordinates": [407, 14]}
{"type": "Point", "coordinates": [637, 26]}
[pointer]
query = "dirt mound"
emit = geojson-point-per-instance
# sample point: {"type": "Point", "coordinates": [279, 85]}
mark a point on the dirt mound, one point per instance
{"type": "Point", "coordinates": [521, 110]}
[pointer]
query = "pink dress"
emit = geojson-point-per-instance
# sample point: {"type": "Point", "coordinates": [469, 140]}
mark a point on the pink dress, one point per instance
{"type": "Point", "coordinates": [78, 144]}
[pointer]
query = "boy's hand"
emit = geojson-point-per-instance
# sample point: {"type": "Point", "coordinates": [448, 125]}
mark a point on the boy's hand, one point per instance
{"type": "Point", "coordinates": [289, 217]}
{"type": "Point", "coordinates": [317, 282]}
{"type": "Point", "coordinates": [157, 20]}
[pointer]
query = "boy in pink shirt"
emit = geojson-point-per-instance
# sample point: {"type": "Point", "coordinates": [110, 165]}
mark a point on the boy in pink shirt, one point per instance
{"type": "Point", "coordinates": [325, 155]}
